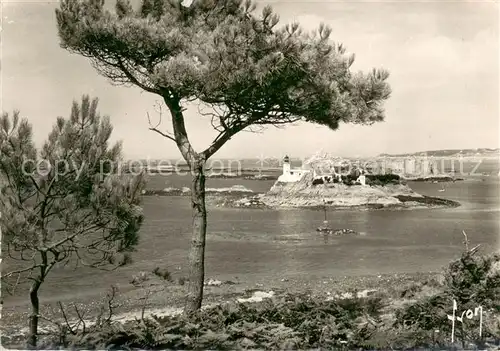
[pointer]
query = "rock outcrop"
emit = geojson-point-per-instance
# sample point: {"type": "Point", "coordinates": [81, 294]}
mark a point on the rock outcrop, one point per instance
{"type": "Point", "coordinates": [337, 232]}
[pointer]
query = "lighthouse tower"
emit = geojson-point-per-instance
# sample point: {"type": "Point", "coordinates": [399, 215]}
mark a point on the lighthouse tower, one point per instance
{"type": "Point", "coordinates": [286, 166]}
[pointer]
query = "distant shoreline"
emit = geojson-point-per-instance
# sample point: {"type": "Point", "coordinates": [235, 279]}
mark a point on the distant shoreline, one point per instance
{"type": "Point", "coordinates": [272, 173]}
{"type": "Point", "coordinates": [466, 157]}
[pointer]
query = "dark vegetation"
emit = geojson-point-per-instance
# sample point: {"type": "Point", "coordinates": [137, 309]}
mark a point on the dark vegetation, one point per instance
{"type": "Point", "coordinates": [351, 179]}
{"type": "Point", "coordinates": [409, 316]}
{"type": "Point", "coordinates": [324, 180]}
{"type": "Point", "coordinates": [372, 179]}
{"type": "Point", "coordinates": [382, 179]}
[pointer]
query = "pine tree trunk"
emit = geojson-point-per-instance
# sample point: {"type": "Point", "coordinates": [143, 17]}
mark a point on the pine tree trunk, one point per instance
{"type": "Point", "coordinates": [35, 311]}
{"type": "Point", "coordinates": [197, 250]}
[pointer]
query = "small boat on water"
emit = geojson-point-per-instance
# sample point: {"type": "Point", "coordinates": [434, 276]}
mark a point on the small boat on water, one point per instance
{"type": "Point", "coordinates": [442, 189]}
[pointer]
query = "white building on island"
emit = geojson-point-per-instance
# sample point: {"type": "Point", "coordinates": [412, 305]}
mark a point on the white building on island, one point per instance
{"type": "Point", "coordinates": [361, 179]}
{"type": "Point", "coordinates": [291, 175]}
{"type": "Point", "coordinates": [322, 169]}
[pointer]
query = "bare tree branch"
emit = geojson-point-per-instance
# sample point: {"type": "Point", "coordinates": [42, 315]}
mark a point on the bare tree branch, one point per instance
{"type": "Point", "coordinates": [155, 128]}
{"type": "Point", "coordinates": [19, 271]}
{"type": "Point", "coordinates": [163, 134]}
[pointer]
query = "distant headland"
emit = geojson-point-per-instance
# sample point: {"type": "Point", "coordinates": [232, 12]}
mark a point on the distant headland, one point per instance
{"type": "Point", "coordinates": [480, 152]}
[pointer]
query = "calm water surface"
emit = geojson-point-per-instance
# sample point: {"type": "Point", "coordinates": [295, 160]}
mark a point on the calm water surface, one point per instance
{"type": "Point", "coordinates": [255, 244]}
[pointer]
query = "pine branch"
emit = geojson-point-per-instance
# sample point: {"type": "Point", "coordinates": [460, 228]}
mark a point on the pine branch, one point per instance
{"type": "Point", "coordinates": [133, 79]}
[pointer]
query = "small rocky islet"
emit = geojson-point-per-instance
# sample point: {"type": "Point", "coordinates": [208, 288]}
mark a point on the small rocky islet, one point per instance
{"type": "Point", "coordinates": [338, 232]}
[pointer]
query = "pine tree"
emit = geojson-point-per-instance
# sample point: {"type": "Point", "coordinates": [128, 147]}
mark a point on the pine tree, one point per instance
{"type": "Point", "coordinates": [247, 72]}
{"type": "Point", "coordinates": [64, 203]}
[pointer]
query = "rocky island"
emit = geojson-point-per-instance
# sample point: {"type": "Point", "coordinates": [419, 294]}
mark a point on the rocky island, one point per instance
{"type": "Point", "coordinates": [324, 182]}
{"type": "Point", "coordinates": [305, 194]}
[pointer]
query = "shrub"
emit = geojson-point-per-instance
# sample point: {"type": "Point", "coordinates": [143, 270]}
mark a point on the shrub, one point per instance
{"type": "Point", "coordinates": [471, 281]}
{"type": "Point", "coordinates": [349, 179]}
{"type": "Point", "coordinates": [290, 322]}
{"type": "Point", "coordinates": [163, 273]}
{"type": "Point", "coordinates": [318, 181]}
{"type": "Point", "coordinates": [382, 179]}
{"type": "Point", "coordinates": [475, 279]}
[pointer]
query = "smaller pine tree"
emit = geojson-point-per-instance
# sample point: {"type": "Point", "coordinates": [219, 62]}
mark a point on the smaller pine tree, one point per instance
{"type": "Point", "coordinates": [64, 203]}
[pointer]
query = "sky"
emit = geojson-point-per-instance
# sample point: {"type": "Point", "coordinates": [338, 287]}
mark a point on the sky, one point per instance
{"type": "Point", "coordinates": [443, 57]}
